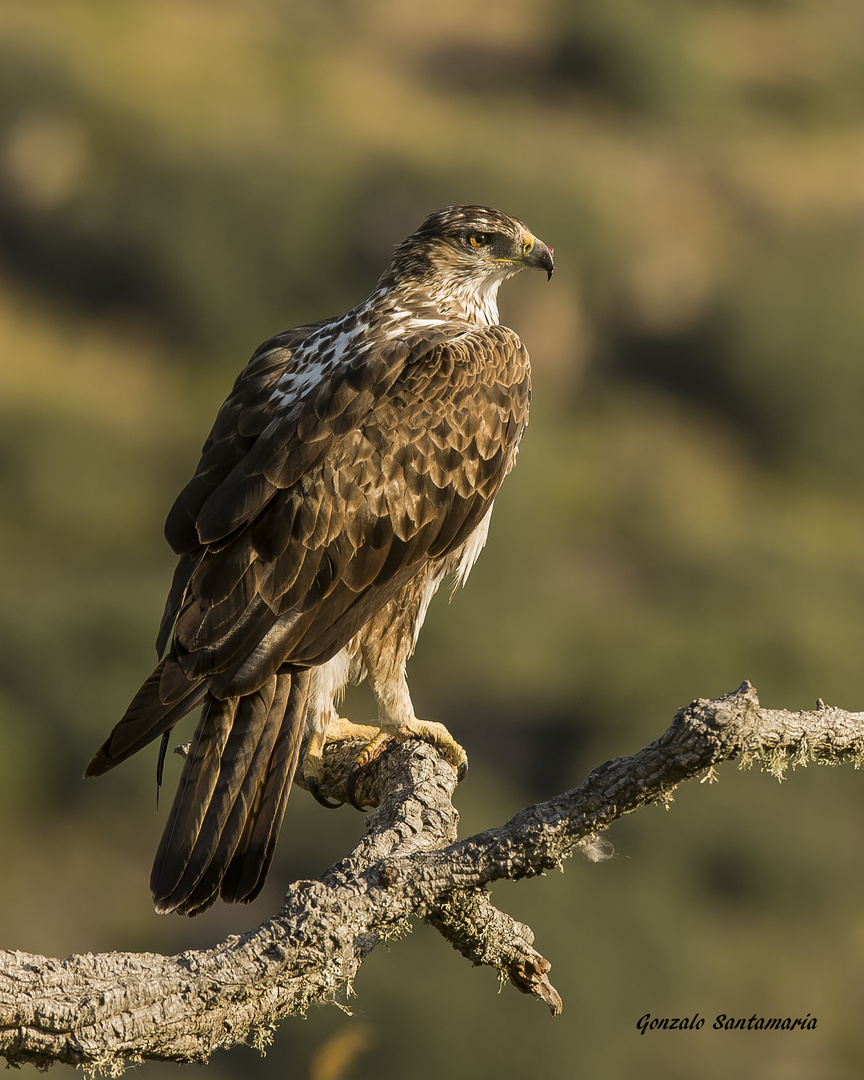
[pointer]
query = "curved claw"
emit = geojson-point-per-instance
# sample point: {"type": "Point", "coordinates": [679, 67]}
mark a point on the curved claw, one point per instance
{"type": "Point", "coordinates": [350, 786]}
{"type": "Point", "coordinates": [462, 772]}
{"type": "Point", "coordinates": [315, 792]}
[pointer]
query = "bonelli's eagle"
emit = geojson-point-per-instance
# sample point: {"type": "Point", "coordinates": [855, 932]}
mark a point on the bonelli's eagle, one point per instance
{"type": "Point", "coordinates": [353, 467]}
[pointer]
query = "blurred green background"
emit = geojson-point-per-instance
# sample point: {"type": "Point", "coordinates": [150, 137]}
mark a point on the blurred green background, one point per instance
{"type": "Point", "coordinates": [179, 179]}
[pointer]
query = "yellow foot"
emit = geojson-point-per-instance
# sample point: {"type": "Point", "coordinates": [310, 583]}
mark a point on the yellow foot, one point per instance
{"type": "Point", "coordinates": [313, 761]}
{"type": "Point", "coordinates": [428, 731]}
{"type": "Point", "coordinates": [438, 736]}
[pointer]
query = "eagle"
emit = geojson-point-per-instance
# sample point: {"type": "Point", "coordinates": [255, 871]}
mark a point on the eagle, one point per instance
{"type": "Point", "coordinates": [352, 468]}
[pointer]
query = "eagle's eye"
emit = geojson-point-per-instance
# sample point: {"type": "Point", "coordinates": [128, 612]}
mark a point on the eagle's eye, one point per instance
{"type": "Point", "coordinates": [478, 239]}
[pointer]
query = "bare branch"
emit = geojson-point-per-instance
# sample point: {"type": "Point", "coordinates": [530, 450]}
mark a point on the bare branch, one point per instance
{"type": "Point", "coordinates": [108, 1010]}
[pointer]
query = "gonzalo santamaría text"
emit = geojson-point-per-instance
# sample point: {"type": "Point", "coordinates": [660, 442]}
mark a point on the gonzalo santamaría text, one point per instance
{"type": "Point", "coordinates": [724, 1022]}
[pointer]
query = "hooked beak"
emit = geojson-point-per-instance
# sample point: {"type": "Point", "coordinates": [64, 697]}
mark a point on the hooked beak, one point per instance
{"type": "Point", "coordinates": [537, 256]}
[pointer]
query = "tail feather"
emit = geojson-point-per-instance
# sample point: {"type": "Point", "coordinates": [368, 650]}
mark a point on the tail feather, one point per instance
{"type": "Point", "coordinates": [250, 863]}
{"type": "Point", "coordinates": [242, 748]}
{"type": "Point", "coordinates": [222, 756]}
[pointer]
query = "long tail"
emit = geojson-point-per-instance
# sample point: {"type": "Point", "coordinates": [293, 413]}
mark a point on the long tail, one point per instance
{"type": "Point", "coordinates": [226, 815]}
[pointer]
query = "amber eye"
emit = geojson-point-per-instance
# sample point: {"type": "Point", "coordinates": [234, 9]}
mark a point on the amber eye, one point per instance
{"type": "Point", "coordinates": [478, 239]}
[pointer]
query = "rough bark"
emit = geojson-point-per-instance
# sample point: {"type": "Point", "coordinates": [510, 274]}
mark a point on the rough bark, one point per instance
{"type": "Point", "coordinates": [106, 1011]}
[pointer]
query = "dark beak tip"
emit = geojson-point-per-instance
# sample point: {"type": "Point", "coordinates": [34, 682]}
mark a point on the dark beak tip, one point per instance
{"type": "Point", "coordinates": [548, 261]}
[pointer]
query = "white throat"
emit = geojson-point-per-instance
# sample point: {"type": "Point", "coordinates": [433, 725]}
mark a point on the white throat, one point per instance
{"type": "Point", "coordinates": [473, 298]}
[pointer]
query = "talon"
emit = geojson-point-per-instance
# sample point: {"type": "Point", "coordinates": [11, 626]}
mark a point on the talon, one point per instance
{"type": "Point", "coordinates": [462, 772]}
{"type": "Point", "coordinates": [315, 791]}
{"type": "Point", "coordinates": [351, 784]}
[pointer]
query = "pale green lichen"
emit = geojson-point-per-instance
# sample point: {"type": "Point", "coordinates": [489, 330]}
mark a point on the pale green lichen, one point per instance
{"type": "Point", "coordinates": [397, 931]}
{"type": "Point", "coordinates": [110, 1065]}
{"type": "Point", "coordinates": [261, 1038]}
{"type": "Point", "coordinates": [776, 760]}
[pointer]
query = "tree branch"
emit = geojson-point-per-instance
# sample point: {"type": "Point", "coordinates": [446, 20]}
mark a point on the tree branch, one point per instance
{"type": "Point", "coordinates": [105, 1011]}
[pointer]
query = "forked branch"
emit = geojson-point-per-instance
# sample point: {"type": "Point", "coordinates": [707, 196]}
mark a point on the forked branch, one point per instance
{"type": "Point", "coordinates": [106, 1011]}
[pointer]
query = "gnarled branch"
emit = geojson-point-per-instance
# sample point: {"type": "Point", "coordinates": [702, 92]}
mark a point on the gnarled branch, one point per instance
{"type": "Point", "coordinates": [107, 1010]}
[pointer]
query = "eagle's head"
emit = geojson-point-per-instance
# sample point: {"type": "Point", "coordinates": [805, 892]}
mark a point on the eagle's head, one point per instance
{"type": "Point", "coordinates": [463, 253]}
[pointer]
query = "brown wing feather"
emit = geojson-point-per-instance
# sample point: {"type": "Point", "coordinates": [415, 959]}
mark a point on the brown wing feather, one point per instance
{"type": "Point", "coordinates": [163, 699]}
{"type": "Point", "coordinates": [435, 446]}
{"type": "Point", "coordinates": [241, 420]}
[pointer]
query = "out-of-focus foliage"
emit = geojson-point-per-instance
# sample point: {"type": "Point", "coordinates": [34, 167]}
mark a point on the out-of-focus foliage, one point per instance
{"type": "Point", "coordinates": [178, 180]}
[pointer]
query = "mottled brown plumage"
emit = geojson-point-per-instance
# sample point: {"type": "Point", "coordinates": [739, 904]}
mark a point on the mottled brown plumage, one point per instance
{"type": "Point", "coordinates": [352, 467]}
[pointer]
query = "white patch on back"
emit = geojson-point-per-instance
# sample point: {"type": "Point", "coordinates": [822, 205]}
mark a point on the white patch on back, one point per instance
{"type": "Point", "coordinates": [319, 355]}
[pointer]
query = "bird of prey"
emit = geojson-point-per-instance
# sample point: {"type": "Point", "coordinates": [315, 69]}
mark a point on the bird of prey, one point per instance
{"type": "Point", "coordinates": [351, 469]}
